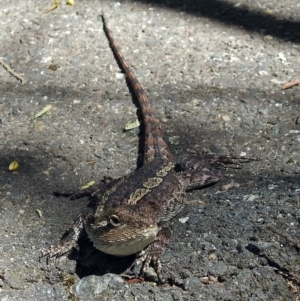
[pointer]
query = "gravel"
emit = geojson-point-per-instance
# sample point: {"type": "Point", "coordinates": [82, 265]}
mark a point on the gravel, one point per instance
{"type": "Point", "coordinates": [213, 72]}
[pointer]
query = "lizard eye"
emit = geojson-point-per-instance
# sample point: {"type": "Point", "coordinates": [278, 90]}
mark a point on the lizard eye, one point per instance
{"type": "Point", "coordinates": [114, 220]}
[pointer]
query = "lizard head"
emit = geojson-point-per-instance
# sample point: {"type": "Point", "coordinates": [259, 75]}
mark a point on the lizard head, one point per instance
{"type": "Point", "coordinates": [121, 231]}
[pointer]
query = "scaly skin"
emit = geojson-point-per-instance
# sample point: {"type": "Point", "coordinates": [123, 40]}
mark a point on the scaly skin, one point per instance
{"type": "Point", "coordinates": [132, 213]}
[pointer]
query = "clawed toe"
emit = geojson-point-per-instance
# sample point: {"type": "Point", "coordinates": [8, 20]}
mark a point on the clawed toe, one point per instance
{"type": "Point", "coordinates": [230, 161]}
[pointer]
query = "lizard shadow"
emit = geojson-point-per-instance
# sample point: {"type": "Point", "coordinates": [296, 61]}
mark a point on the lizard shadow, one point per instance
{"type": "Point", "coordinates": [90, 261]}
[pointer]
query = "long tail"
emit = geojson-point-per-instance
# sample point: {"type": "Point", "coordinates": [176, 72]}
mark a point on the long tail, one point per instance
{"type": "Point", "coordinates": [155, 146]}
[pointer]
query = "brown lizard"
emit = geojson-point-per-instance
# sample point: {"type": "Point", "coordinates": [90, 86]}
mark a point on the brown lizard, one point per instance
{"type": "Point", "coordinates": [132, 214]}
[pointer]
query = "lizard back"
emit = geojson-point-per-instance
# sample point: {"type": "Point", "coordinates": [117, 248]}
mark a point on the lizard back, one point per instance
{"type": "Point", "coordinates": [155, 145]}
{"type": "Point", "coordinates": [131, 214]}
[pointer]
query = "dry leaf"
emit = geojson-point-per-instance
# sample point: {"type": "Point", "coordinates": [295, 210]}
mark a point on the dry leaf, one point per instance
{"type": "Point", "coordinates": [89, 184]}
{"type": "Point", "coordinates": [39, 212]}
{"type": "Point", "coordinates": [43, 111]}
{"type": "Point", "coordinates": [135, 280]}
{"type": "Point", "coordinates": [131, 125]}
{"type": "Point", "coordinates": [13, 166]}
{"type": "Point", "coordinates": [209, 280]}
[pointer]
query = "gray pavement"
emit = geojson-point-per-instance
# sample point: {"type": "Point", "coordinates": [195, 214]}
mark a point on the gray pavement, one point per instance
{"type": "Point", "coordinates": [213, 71]}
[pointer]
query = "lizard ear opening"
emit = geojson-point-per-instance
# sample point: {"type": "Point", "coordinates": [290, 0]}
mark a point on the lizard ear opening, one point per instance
{"type": "Point", "coordinates": [114, 220]}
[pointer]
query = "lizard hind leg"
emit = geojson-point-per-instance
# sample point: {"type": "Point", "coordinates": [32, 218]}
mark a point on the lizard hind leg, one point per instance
{"type": "Point", "coordinates": [198, 161]}
{"type": "Point", "coordinates": [199, 171]}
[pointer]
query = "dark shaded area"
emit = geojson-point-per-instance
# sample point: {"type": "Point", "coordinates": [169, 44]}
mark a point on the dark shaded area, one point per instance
{"type": "Point", "coordinates": [240, 16]}
{"type": "Point", "coordinates": [52, 158]}
{"type": "Point", "coordinates": [28, 179]}
{"type": "Point", "coordinates": [90, 261]}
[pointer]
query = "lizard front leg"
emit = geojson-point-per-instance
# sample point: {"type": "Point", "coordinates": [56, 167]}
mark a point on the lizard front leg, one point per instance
{"type": "Point", "coordinates": [67, 243]}
{"type": "Point", "coordinates": [152, 253]}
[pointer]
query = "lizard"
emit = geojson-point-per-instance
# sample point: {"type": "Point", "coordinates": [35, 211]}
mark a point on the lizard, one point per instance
{"type": "Point", "coordinates": [132, 214]}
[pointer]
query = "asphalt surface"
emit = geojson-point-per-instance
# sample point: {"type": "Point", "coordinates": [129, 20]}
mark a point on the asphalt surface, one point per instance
{"type": "Point", "coordinates": [213, 71]}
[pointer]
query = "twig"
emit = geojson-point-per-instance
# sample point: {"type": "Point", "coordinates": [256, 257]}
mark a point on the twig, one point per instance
{"type": "Point", "coordinates": [291, 84]}
{"type": "Point", "coordinates": [53, 7]}
{"type": "Point", "coordinates": [284, 235]}
{"type": "Point", "coordinates": [12, 72]}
